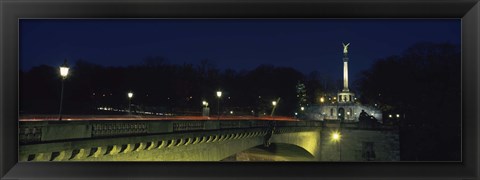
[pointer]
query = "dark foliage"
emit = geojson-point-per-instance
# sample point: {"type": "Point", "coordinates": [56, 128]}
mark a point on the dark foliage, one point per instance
{"type": "Point", "coordinates": [160, 85]}
{"type": "Point", "coordinates": [423, 84]}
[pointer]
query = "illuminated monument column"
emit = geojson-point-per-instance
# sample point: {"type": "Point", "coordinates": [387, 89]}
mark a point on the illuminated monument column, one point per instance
{"type": "Point", "coordinates": [345, 67]}
{"type": "Point", "coordinates": [345, 96]}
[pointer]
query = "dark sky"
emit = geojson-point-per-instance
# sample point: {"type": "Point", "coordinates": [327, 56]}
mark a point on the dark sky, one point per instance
{"type": "Point", "coordinates": [305, 45]}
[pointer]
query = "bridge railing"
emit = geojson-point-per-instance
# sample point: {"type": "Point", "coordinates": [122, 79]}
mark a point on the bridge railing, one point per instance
{"type": "Point", "coordinates": [32, 132]}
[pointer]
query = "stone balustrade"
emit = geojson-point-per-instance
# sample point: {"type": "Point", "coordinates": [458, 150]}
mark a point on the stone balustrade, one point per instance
{"type": "Point", "coordinates": [110, 140]}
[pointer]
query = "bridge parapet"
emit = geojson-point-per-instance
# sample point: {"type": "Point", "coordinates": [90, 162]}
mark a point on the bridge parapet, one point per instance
{"type": "Point", "coordinates": [116, 140]}
{"type": "Point", "coordinates": [37, 132]}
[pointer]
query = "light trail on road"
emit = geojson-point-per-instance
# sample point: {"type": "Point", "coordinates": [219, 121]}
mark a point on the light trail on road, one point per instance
{"type": "Point", "coordinates": [154, 118]}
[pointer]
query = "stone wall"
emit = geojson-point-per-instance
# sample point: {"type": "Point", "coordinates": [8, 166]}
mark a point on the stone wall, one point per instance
{"type": "Point", "coordinates": [351, 147]}
{"type": "Point", "coordinates": [197, 140]}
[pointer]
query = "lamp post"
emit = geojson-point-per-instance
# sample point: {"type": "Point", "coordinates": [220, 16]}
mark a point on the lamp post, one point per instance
{"type": "Point", "coordinates": [219, 95]}
{"type": "Point", "coordinates": [130, 95]}
{"type": "Point", "coordinates": [336, 138]}
{"type": "Point", "coordinates": [205, 111]}
{"type": "Point", "coordinates": [64, 73]}
{"type": "Point", "coordinates": [274, 104]}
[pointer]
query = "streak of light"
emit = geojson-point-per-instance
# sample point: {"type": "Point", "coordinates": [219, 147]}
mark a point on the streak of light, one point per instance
{"type": "Point", "coordinates": [154, 118]}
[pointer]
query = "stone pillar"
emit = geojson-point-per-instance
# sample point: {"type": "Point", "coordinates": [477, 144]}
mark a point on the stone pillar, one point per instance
{"type": "Point", "coordinates": [206, 111]}
{"type": "Point", "coordinates": [345, 73]}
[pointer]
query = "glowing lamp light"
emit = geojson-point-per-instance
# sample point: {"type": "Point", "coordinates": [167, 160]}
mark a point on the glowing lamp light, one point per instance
{"type": "Point", "coordinates": [231, 112]}
{"type": "Point", "coordinates": [130, 95]}
{"type": "Point", "coordinates": [398, 115]}
{"type": "Point", "coordinates": [389, 115]}
{"type": "Point", "coordinates": [335, 136]}
{"type": "Point", "coordinates": [274, 103]}
{"type": "Point", "coordinates": [322, 99]}
{"type": "Point", "coordinates": [219, 94]}
{"type": "Point", "coordinates": [64, 71]}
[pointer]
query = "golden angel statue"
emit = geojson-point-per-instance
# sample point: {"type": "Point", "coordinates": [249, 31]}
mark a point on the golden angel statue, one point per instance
{"type": "Point", "coordinates": [345, 47]}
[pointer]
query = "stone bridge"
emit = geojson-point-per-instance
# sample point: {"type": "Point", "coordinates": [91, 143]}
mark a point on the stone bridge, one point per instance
{"type": "Point", "coordinates": [144, 140]}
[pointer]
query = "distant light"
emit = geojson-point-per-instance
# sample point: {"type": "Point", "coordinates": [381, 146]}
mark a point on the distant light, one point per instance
{"type": "Point", "coordinates": [296, 113]}
{"type": "Point", "coordinates": [219, 94]}
{"type": "Point", "coordinates": [348, 113]}
{"type": "Point", "coordinates": [302, 108]}
{"type": "Point", "coordinates": [334, 98]}
{"type": "Point", "coordinates": [339, 114]}
{"type": "Point", "coordinates": [191, 97]}
{"type": "Point", "coordinates": [231, 112]}
{"type": "Point", "coordinates": [259, 97]}
{"type": "Point", "coordinates": [93, 94]}
{"type": "Point", "coordinates": [274, 103]}
{"type": "Point", "coordinates": [130, 94]}
{"type": "Point", "coordinates": [398, 115]}
{"type": "Point", "coordinates": [375, 104]}
{"type": "Point", "coordinates": [322, 99]}
{"type": "Point", "coordinates": [229, 97]}
{"type": "Point", "coordinates": [389, 115]}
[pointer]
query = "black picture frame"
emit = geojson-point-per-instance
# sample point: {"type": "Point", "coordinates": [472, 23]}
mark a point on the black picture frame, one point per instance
{"type": "Point", "coordinates": [11, 11]}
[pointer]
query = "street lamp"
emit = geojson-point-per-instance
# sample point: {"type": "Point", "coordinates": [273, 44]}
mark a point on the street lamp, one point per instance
{"type": "Point", "coordinates": [336, 137]}
{"type": "Point", "coordinates": [206, 109]}
{"type": "Point", "coordinates": [219, 95]}
{"type": "Point", "coordinates": [274, 103]}
{"type": "Point", "coordinates": [130, 95]}
{"type": "Point", "coordinates": [64, 73]}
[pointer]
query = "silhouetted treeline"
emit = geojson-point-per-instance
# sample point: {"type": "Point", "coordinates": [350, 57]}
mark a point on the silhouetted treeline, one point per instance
{"type": "Point", "coordinates": [423, 85]}
{"type": "Point", "coordinates": [167, 87]}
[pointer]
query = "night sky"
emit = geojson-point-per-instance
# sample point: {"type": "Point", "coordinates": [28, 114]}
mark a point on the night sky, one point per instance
{"type": "Point", "coordinates": [306, 45]}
